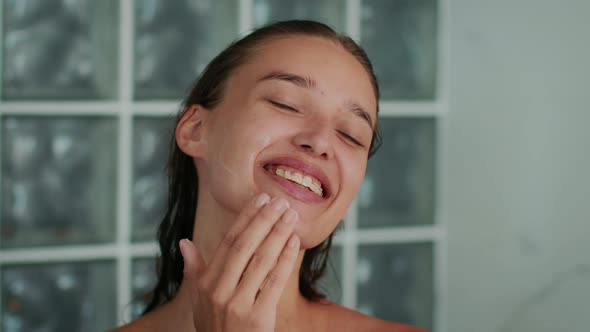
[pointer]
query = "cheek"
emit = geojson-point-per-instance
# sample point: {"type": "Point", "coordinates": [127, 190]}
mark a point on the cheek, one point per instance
{"type": "Point", "coordinates": [230, 161]}
{"type": "Point", "coordinates": [233, 154]}
{"type": "Point", "coordinates": [354, 172]}
{"type": "Point", "coordinates": [262, 142]}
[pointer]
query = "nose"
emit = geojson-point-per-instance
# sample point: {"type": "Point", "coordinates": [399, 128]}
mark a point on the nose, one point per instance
{"type": "Point", "coordinates": [315, 140]}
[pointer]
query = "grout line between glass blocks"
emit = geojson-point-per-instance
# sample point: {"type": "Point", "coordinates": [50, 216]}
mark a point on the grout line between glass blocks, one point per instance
{"type": "Point", "coordinates": [443, 64]}
{"type": "Point", "coordinates": [1, 174]}
{"type": "Point", "coordinates": [353, 19]}
{"type": "Point", "coordinates": [440, 283]}
{"type": "Point", "coordinates": [410, 109]}
{"type": "Point", "coordinates": [440, 245]}
{"type": "Point", "coordinates": [1, 119]}
{"type": "Point", "coordinates": [1, 53]}
{"type": "Point", "coordinates": [124, 190]}
{"type": "Point", "coordinates": [349, 257]}
{"type": "Point", "coordinates": [400, 235]}
{"type": "Point", "coordinates": [157, 108]}
{"type": "Point", "coordinates": [443, 98]}
{"type": "Point", "coordinates": [391, 235]}
{"type": "Point", "coordinates": [72, 253]}
{"type": "Point", "coordinates": [349, 245]}
{"type": "Point", "coordinates": [170, 107]}
{"type": "Point", "coordinates": [144, 249]}
{"type": "Point", "coordinates": [73, 107]}
{"type": "Point", "coordinates": [77, 252]}
{"type": "Point", "coordinates": [245, 19]}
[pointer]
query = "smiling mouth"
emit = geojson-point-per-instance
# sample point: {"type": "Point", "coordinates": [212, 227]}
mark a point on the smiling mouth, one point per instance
{"type": "Point", "coordinates": [296, 176]}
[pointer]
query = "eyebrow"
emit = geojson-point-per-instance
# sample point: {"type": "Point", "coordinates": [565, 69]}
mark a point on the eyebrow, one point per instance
{"type": "Point", "coordinates": [357, 110]}
{"type": "Point", "coordinates": [309, 83]}
{"type": "Point", "coordinates": [300, 81]}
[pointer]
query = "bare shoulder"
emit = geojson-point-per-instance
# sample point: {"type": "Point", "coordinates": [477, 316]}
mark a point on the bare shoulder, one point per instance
{"type": "Point", "coordinates": [161, 319]}
{"type": "Point", "coordinates": [136, 325]}
{"type": "Point", "coordinates": [148, 323]}
{"type": "Point", "coordinates": [340, 318]}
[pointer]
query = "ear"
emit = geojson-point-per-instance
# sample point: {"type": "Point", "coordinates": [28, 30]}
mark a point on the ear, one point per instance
{"type": "Point", "coordinates": [190, 131]}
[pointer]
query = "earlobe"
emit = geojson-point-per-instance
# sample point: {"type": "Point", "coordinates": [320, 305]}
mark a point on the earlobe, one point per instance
{"type": "Point", "coordinates": [190, 131]}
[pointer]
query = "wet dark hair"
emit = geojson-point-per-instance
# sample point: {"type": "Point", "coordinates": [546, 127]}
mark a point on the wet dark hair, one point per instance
{"type": "Point", "coordinates": [178, 221]}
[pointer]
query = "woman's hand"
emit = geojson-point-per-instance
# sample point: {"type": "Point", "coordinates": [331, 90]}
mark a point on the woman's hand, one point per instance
{"type": "Point", "coordinates": [240, 287]}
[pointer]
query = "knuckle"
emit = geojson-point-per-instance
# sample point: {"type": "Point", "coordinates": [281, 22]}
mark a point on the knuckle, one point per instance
{"type": "Point", "coordinates": [202, 284]}
{"type": "Point", "coordinates": [257, 260]}
{"type": "Point", "coordinates": [268, 214]}
{"type": "Point", "coordinates": [234, 309]}
{"type": "Point", "coordinates": [256, 321]}
{"type": "Point", "coordinates": [272, 280]}
{"type": "Point", "coordinates": [282, 229]}
{"type": "Point", "coordinates": [217, 298]}
{"type": "Point", "coordinates": [238, 245]}
{"type": "Point", "coordinates": [230, 238]}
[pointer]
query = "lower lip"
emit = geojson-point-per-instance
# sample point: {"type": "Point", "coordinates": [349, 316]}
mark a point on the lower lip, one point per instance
{"type": "Point", "coordinates": [298, 192]}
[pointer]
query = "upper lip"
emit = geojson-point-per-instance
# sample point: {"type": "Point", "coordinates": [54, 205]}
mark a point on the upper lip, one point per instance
{"type": "Point", "coordinates": [305, 167]}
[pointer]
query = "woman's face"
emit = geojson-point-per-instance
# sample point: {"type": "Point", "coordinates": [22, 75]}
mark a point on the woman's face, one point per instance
{"type": "Point", "coordinates": [302, 109]}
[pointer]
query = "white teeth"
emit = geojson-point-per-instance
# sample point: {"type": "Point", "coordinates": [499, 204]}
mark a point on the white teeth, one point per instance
{"type": "Point", "coordinates": [306, 181]}
{"type": "Point", "coordinates": [317, 190]}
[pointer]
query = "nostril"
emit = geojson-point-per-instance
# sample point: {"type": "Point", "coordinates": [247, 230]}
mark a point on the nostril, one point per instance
{"type": "Point", "coordinates": [311, 149]}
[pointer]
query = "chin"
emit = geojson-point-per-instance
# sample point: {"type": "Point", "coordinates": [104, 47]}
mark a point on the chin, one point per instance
{"type": "Point", "coordinates": [310, 238]}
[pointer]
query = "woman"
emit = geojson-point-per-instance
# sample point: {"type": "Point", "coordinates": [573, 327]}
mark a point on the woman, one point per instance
{"type": "Point", "coordinates": [274, 141]}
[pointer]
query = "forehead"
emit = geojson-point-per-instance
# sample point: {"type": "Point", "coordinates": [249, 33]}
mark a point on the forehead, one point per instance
{"type": "Point", "coordinates": [338, 73]}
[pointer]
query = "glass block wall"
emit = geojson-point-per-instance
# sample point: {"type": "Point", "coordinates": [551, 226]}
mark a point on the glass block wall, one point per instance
{"type": "Point", "coordinates": [88, 90]}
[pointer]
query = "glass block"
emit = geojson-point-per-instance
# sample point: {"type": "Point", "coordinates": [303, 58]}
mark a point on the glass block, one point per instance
{"type": "Point", "coordinates": [400, 38]}
{"type": "Point", "coordinates": [330, 12]}
{"type": "Point", "coordinates": [395, 283]}
{"type": "Point", "coordinates": [399, 186]}
{"type": "Point", "coordinates": [60, 49]}
{"type": "Point", "coordinates": [151, 146]}
{"type": "Point", "coordinates": [175, 40]}
{"type": "Point", "coordinates": [331, 282]}
{"type": "Point", "coordinates": [144, 278]}
{"type": "Point", "coordinates": [58, 180]}
{"type": "Point", "coordinates": [84, 293]}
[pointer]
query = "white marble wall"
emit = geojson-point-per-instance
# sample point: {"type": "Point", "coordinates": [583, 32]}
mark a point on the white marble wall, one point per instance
{"type": "Point", "coordinates": [517, 166]}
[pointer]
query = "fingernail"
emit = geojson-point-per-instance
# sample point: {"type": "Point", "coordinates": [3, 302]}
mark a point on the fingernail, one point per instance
{"type": "Point", "coordinates": [262, 199]}
{"type": "Point", "coordinates": [180, 243]}
{"type": "Point", "coordinates": [290, 216]}
{"type": "Point", "coordinates": [279, 204]}
{"type": "Point", "coordinates": [293, 241]}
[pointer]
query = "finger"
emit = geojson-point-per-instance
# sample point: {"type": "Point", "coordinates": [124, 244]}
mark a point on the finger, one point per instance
{"type": "Point", "coordinates": [194, 265]}
{"type": "Point", "coordinates": [241, 250]}
{"type": "Point", "coordinates": [219, 258]}
{"type": "Point", "coordinates": [277, 278]}
{"type": "Point", "coordinates": [192, 259]}
{"type": "Point", "coordinates": [264, 258]}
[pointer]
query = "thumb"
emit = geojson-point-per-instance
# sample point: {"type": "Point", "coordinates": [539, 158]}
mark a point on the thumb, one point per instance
{"type": "Point", "coordinates": [193, 261]}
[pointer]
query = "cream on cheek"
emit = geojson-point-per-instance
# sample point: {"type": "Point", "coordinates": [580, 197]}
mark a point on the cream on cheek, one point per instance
{"type": "Point", "coordinates": [234, 163]}
{"type": "Point", "coordinates": [231, 179]}
{"type": "Point", "coordinates": [263, 142]}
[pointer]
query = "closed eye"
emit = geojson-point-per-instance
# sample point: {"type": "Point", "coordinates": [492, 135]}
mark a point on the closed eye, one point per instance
{"type": "Point", "coordinates": [283, 106]}
{"type": "Point", "coordinates": [351, 139]}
